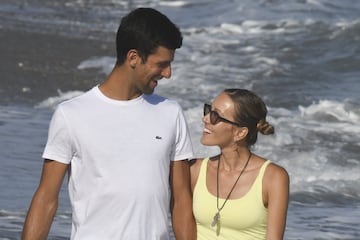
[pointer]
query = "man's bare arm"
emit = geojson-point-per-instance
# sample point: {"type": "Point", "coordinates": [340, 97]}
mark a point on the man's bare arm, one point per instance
{"type": "Point", "coordinates": [45, 201]}
{"type": "Point", "coordinates": [181, 204]}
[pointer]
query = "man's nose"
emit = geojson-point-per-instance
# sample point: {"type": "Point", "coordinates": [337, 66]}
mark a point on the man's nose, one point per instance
{"type": "Point", "coordinates": [166, 72]}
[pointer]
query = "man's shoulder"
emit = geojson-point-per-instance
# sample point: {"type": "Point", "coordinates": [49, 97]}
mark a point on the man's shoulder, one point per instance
{"type": "Point", "coordinates": [79, 100]}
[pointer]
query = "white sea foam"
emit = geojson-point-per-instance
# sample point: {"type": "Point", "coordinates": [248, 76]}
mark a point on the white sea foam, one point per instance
{"type": "Point", "coordinates": [52, 102]}
{"type": "Point", "coordinates": [173, 3]}
{"type": "Point", "coordinates": [330, 109]}
{"type": "Point", "coordinates": [105, 64]}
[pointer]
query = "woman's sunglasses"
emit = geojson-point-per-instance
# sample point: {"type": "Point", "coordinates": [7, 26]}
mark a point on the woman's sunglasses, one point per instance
{"type": "Point", "coordinates": [214, 116]}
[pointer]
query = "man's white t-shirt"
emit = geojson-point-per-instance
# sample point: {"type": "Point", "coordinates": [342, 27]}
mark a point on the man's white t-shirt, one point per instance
{"type": "Point", "coordinates": [119, 154]}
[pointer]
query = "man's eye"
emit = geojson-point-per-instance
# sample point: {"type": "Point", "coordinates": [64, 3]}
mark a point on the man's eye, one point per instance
{"type": "Point", "coordinates": [163, 65]}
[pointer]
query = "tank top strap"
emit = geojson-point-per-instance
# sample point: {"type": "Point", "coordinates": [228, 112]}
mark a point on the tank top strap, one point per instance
{"type": "Point", "coordinates": [257, 186]}
{"type": "Point", "coordinates": [262, 169]}
{"type": "Point", "coordinates": [202, 173]}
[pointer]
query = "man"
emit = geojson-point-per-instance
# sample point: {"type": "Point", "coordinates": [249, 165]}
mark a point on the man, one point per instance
{"type": "Point", "coordinates": [122, 145]}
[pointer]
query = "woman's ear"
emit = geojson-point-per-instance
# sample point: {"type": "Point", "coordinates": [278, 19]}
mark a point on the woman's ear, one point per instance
{"type": "Point", "coordinates": [240, 133]}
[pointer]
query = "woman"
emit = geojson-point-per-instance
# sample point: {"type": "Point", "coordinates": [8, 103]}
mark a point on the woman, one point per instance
{"type": "Point", "coordinates": [238, 194]}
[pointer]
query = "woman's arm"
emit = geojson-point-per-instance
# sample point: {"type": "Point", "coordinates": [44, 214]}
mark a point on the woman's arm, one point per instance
{"type": "Point", "coordinates": [276, 198]}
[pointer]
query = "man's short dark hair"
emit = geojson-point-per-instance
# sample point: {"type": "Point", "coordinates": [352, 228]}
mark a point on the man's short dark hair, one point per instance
{"type": "Point", "coordinates": [146, 29]}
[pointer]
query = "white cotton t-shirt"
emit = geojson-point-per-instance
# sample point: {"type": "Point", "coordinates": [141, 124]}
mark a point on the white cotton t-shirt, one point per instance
{"type": "Point", "coordinates": [120, 153]}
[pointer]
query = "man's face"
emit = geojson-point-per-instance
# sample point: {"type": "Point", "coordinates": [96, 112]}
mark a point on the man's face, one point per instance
{"type": "Point", "coordinates": [157, 66]}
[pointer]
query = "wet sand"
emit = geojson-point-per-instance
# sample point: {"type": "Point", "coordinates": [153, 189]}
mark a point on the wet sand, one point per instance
{"type": "Point", "coordinates": [38, 62]}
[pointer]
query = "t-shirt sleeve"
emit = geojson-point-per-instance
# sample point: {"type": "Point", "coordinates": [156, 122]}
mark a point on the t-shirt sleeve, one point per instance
{"type": "Point", "coordinates": [58, 146]}
{"type": "Point", "coordinates": [183, 146]}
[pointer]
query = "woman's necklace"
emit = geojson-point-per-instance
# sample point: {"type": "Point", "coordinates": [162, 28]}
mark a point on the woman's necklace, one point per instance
{"type": "Point", "coordinates": [216, 219]}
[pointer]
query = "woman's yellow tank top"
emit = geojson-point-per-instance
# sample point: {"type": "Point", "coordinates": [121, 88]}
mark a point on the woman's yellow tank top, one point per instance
{"type": "Point", "coordinates": [243, 218]}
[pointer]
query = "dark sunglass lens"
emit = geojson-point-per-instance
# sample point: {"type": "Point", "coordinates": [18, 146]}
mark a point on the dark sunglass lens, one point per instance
{"type": "Point", "coordinates": [214, 117]}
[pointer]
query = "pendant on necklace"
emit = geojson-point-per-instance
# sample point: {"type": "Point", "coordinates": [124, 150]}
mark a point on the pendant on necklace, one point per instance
{"type": "Point", "coordinates": [215, 219]}
{"type": "Point", "coordinates": [216, 222]}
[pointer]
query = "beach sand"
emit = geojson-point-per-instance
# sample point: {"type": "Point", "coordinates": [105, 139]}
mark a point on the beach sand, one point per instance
{"type": "Point", "coordinates": [33, 62]}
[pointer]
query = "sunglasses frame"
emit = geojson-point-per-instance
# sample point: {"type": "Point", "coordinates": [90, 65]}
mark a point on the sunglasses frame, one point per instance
{"type": "Point", "coordinates": [214, 115]}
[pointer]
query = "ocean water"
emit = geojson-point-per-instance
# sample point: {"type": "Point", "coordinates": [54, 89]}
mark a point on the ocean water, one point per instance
{"type": "Point", "coordinates": [301, 56]}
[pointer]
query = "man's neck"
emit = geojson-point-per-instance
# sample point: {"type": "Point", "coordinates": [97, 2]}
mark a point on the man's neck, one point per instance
{"type": "Point", "coordinates": [118, 86]}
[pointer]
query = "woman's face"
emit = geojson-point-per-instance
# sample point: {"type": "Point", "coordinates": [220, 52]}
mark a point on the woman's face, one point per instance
{"type": "Point", "coordinates": [222, 133]}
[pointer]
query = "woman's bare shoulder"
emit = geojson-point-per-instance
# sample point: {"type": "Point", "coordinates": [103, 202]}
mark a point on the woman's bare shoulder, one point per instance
{"type": "Point", "coordinates": [195, 165]}
{"type": "Point", "coordinates": [276, 173]}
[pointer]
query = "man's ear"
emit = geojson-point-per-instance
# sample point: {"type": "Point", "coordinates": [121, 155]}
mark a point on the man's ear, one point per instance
{"type": "Point", "coordinates": [132, 57]}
